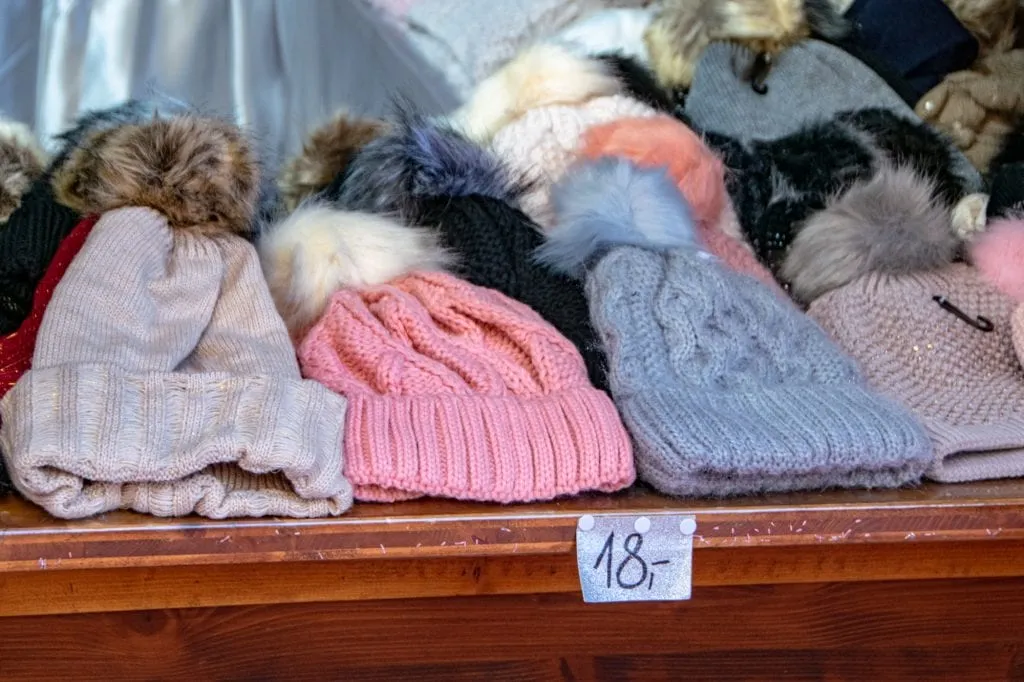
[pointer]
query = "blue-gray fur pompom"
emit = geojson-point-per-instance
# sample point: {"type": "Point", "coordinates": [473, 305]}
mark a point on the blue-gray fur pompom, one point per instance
{"type": "Point", "coordinates": [419, 159]}
{"type": "Point", "coordinates": [611, 202]}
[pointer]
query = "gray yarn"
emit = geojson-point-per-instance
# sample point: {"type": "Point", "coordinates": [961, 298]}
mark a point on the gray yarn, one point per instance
{"type": "Point", "coordinates": [810, 82]}
{"type": "Point", "coordinates": [726, 387]}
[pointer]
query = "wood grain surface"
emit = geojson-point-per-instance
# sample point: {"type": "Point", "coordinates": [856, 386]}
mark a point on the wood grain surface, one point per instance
{"type": "Point", "coordinates": [30, 540]}
{"type": "Point", "coordinates": [923, 630]}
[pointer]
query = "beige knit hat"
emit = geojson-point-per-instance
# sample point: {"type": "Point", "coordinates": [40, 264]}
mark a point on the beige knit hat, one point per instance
{"type": "Point", "coordinates": [951, 360]}
{"type": "Point", "coordinates": [163, 380]}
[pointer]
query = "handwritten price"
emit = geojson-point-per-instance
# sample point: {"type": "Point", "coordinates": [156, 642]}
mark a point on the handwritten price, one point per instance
{"type": "Point", "coordinates": [631, 558]}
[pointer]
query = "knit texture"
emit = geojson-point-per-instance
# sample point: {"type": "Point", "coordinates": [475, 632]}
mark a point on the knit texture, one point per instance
{"type": "Point", "coordinates": [27, 244]}
{"type": "Point", "coordinates": [457, 391]}
{"type": "Point", "coordinates": [495, 244]}
{"type": "Point", "coordinates": [726, 387]}
{"type": "Point", "coordinates": [728, 390]}
{"type": "Point", "coordinates": [178, 387]}
{"type": "Point", "coordinates": [542, 144]}
{"type": "Point", "coordinates": [965, 385]}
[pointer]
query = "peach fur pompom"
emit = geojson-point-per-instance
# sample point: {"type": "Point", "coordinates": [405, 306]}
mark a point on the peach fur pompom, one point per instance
{"type": "Point", "coordinates": [664, 142]}
{"type": "Point", "coordinates": [998, 255]}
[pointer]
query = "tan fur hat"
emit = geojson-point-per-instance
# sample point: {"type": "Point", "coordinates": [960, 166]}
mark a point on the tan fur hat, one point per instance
{"type": "Point", "coordinates": [21, 162]}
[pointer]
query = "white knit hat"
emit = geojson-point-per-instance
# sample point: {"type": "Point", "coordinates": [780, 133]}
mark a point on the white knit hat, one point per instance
{"type": "Point", "coordinates": [163, 380]}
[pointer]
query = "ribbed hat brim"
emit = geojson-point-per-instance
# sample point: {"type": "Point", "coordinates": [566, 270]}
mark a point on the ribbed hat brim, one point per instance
{"type": "Point", "coordinates": [977, 452]}
{"type": "Point", "coordinates": [774, 440]}
{"type": "Point", "coordinates": [485, 448]}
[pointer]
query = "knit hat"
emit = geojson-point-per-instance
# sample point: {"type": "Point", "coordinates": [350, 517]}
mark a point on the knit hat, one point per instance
{"type": "Point", "coordinates": [428, 174]}
{"type": "Point", "coordinates": [922, 339]}
{"type": "Point", "coordinates": [457, 391]}
{"type": "Point", "coordinates": [807, 83]}
{"type": "Point", "coordinates": [725, 387]}
{"type": "Point", "coordinates": [21, 162]}
{"type": "Point", "coordinates": [921, 39]}
{"type": "Point", "coordinates": [698, 173]}
{"type": "Point", "coordinates": [36, 228]}
{"type": "Point", "coordinates": [179, 389]}
{"type": "Point", "coordinates": [978, 107]}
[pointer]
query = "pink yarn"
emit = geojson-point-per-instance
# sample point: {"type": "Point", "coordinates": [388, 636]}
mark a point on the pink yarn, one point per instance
{"type": "Point", "coordinates": [664, 142]}
{"type": "Point", "coordinates": [456, 390]}
{"type": "Point", "coordinates": [998, 255]}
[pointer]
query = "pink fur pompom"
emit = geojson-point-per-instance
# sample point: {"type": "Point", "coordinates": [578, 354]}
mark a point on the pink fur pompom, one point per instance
{"type": "Point", "coordinates": [998, 254]}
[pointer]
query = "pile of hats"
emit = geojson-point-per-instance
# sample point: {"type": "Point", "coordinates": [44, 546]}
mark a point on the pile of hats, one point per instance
{"type": "Point", "coordinates": [569, 283]}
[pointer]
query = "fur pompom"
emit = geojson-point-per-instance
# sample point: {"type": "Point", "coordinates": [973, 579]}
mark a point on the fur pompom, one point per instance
{"type": "Point", "coordinates": [891, 223]}
{"type": "Point", "coordinates": [540, 75]}
{"type": "Point", "coordinates": [21, 162]}
{"type": "Point", "coordinates": [664, 142]}
{"type": "Point", "coordinates": [639, 82]}
{"type": "Point", "coordinates": [199, 172]}
{"type": "Point", "coordinates": [318, 250]}
{"type": "Point", "coordinates": [325, 155]}
{"type": "Point", "coordinates": [419, 159]}
{"type": "Point", "coordinates": [825, 20]}
{"type": "Point", "coordinates": [998, 255]}
{"type": "Point", "coordinates": [610, 202]}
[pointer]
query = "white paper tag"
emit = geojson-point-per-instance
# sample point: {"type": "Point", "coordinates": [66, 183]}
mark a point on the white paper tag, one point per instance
{"type": "Point", "coordinates": [635, 558]}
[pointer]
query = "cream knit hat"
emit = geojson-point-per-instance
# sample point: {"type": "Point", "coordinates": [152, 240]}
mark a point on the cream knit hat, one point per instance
{"type": "Point", "coordinates": [966, 384]}
{"type": "Point", "coordinates": [163, 380]}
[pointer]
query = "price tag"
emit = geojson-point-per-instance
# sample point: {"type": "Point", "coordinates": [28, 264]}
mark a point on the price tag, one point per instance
{"type": "Point", "coordinates": [635, 558]}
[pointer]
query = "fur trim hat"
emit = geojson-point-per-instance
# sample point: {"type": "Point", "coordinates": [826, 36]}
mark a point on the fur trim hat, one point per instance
{"type": "Point", "coordinates": [979, 107]}
{"type": "Point", "coordinates": [457, 391]}
{"type": "Point", "coordinates": [539, 76]}
{"type": "Point", "coordinates": [698, 173]}
{"type": "Point", "coordinates": [941, 343]}
{"type": "Point", "coordinates": [430, 175]}
{"type": "Point", "coordinates": [679, 34]}
{"type": "Point", "coordinates": [326, 155]}
{"type": "Point", "coordinates": [180, 389]}
{"type": "Point", "coordinates": [725, 387]}
{"type": "Point", "coordinates": [21, 163]}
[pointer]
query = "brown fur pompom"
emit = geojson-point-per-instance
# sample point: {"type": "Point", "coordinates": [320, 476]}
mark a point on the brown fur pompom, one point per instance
{"type": "Point", "coordinates": [21, 162]}
{"type": "Point", "coordinates": [199, 172]}
{"type": "Point", "coordinates": [325, 155]}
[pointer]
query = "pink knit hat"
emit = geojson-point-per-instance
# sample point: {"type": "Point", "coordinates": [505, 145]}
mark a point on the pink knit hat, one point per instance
{"type": "Point", "coordinates": [540, 145]}
{"type": "Point", "coordinates": [458, 391]}
{"type": "Point", "coordinates": [943, 343]}
{"type": "Point", "coordinates": [663, 141]}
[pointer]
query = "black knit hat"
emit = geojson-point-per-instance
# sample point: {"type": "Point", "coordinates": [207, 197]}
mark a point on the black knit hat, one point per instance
{"type": "Point", "coordinates": [430, 175]}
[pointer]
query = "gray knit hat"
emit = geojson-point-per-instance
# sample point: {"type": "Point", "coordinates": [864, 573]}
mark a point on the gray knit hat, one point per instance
{"type": "Point", "coordinates": [163, 379]}
{"type": "Point", "coordinates": [725, 387]}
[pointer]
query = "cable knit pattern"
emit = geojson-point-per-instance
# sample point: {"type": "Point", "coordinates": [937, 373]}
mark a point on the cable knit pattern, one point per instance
{"type": "Point", "coordinates": [541, 145]}
{"type": "Point", "coordinates": [164, 381]}
{"type": "Point", "coordinates": [966, 386]}
{"type": "Point", "coordinates": [456, 390]}
{"type": "Point", "coordinates": [728, 389]}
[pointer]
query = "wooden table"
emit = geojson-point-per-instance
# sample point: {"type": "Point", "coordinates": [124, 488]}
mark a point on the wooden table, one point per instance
{"type": "Point", "coordinates": [926, 583]}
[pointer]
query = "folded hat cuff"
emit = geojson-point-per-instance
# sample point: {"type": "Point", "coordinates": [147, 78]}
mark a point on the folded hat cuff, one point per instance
{"type": "Point", "coordinates": [977, 452]}
{"type": "Point", "coordinates": [485, 448]}
{"type": "Point", "coordinates": [83, 439]}
{"type": "Point", "coordinates": [794, 437]}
